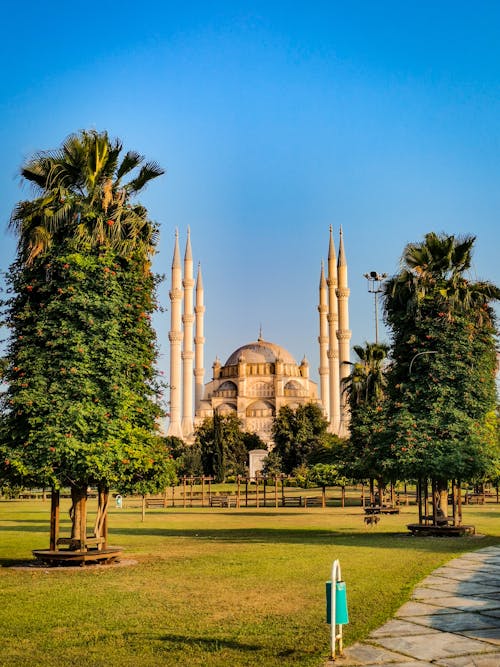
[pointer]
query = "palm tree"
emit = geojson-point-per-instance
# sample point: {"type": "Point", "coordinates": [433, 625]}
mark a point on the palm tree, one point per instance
{"type": "Point", "coordinates": [81, 196]}
{"type": "Point", "coordinates": [365, 388]}
{"type": "Point", "coordinates": [84, 202]}
{"type": "Point", "coordinates": [365, 384]}
{"type": "Point", "coordinates": [432, 305]}
{"type": "Point", "coordinates": [434, 271]}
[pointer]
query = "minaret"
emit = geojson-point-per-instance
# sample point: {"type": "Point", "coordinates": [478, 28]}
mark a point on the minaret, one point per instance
{"type": "Point", "coordinates": [323, 343]}
{"type": "Point", "coordinates": [344, 333]}
{"type": "Point", "coordinates": [199, 341]}
{"type": "Point", "coordinates": [333, 347]}
{"type": "Point", "coordinates": [187, 351]}
{"type": "Point", "coordinates": [175, 338]}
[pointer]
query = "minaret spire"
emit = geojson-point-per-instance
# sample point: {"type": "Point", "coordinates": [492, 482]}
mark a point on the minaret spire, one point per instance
{"type": "Point", "coordinates": [333, 349]}
{"type": "Point", "coordinates": [175, 338]}
{"type": "Point", "coordinates": [187, 352]}
{"type": "Point", "coordinates": [344, 333]}
{"type": "Point", "coordinates": [323, 342]}
{"type": "Point", "coordinates": [199, 341]}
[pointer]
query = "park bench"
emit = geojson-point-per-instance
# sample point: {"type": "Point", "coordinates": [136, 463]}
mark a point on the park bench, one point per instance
{"type": "Point", "coordinates": [155, 502]}
{"type": "Point", "coordinates": [313, 501]}
{"type": "Point", "coordinates": [291, 501]}
{"type": "Point", "coordinates": [477, 498]}
{"type": "Point", "coordinates": [441, 520]}
{"type": "Point", "coordinates": [222, 501]}
{"type": "Point", "coordinates": [440, 531]}
{"type": "Point", "coordinates": [74, 544]}
{"type": "Point", "coordinates": [375, 509]}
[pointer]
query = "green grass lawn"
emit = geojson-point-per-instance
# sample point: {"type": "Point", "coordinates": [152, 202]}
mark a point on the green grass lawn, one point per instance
{"type": "Point", "coordinates": [211, 587]}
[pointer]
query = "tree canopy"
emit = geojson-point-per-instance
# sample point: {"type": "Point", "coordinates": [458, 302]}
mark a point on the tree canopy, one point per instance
{"type": "Point", "coordinates": [441, 385]}
{"type": "Point", "coordinates": [298, 434]}
{"type": "Point", "coordinates": [224, 446]}
{"type": "Point", "coordinates": [81, 402]}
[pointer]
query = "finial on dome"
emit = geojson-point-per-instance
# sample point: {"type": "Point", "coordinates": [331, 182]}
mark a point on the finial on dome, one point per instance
{"type": "Point", "coordinates": [260, 334]}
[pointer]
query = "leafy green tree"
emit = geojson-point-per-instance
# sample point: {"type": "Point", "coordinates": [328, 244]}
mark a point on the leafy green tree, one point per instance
{"type": "Point", "coordinates": [187, 457]}
{"type": "Point", "coordinates": [141, 474]}
{"type": "Point", "coordinates": [323, 475]}
{"type": "Point", "coordinates": [441, 384]}
{"type": "Point", "coordinates": [365, 389]}
{"type": "Point", "coordinates": [272, 464]}
{"type": "Point", "coordinates": [298, 434]}
{"type": "Point", "coordinates": [81, 383]}
{"type": "Point", "coordinates": [222, 445]}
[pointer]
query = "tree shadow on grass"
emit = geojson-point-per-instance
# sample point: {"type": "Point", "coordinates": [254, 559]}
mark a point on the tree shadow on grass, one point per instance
{"type": "Point", "coordinates": [313, 537]}
{"type": "Point", "coordinates": [206, 644]}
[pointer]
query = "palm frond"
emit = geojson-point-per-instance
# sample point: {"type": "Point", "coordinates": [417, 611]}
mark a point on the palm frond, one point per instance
{"type": "Point", "coordinates": [131, 160]}
{"type": "Point", "coordinates": [149, 171]}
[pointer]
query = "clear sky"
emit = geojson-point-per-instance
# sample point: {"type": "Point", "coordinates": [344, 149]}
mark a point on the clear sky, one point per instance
{"type": "Point", "coordinates": [273, 121]}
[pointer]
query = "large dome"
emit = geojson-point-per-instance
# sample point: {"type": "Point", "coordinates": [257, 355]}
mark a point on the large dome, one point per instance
{"type": "Point", "coordinates": [260, 352]}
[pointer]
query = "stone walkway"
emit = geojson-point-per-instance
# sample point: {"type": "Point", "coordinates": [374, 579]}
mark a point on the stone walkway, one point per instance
{"type": "Point", "coordinates": [453, 620]}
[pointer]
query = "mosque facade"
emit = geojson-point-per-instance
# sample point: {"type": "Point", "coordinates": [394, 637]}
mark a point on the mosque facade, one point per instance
{"type": "Point", "coordinates": [259, 377]}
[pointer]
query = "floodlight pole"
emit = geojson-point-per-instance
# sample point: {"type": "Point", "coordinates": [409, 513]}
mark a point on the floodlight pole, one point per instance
{"type": "Point", "coordinates": [375, 281]}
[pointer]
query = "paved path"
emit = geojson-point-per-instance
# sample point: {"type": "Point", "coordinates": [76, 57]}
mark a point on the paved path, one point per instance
{"type": "Point", "coordinates": [453, 620]}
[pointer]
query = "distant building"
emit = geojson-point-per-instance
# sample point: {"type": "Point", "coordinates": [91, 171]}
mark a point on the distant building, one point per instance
{"type": "Point", "coordinates": [255, 382]}
{"type": "Point", "coordinates": [260, 377]}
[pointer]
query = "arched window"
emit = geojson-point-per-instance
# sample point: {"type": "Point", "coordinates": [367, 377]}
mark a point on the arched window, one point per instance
{"type": "Point", "coordinates": [226, 409]}
{"type": "Point", "coordinates": [260, 409]}
{"type": "Point", "coordinates": [294, 388]}
{"type": "Point", "coordinates": [227, 390]}
{"type": "Point", "coordinates": [261, 389]}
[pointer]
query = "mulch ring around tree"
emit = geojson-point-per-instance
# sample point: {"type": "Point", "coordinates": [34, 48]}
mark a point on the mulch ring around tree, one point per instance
{"type": "Point", "coordinates": [38, 565]}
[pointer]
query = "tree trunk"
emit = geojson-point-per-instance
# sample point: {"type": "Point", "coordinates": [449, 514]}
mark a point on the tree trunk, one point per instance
{"type": "Point", "coordinates": [78, 514]}
{"type": "Point", "coordinates": [442, 496]}
{"type": "Point", "coordinates": [101, 520]}
{"type": "Point", "coordinates": [380, 493]}
{"type": "Point", "coordinates": [54, 518]}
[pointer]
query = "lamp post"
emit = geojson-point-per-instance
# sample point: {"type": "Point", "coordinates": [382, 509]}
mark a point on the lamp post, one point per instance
{"type": "Point", "coordinates": [375, 287]}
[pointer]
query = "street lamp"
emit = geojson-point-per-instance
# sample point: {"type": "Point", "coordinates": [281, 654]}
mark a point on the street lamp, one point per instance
{"type": "Point", "coordinates": [375, 287]}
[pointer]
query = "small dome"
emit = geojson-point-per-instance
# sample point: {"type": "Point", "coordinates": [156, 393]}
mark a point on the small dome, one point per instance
{"type": "Point", "coordinates": [261, 351]}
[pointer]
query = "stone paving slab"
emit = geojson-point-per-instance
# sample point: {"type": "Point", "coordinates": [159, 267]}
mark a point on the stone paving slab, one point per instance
{"type": "Point", "coordinates": [462, 602]}
{"type": "Point", "coordinates": [457, 622]}
{"type": "Point", "coordinates": [440, 628]}
{"type": "Point", "coordinates": [365, 654]}
{"type": "Point", "coordinates": [401, 628]}
{"type": "Point", "coordinates": [433, 647]}
{"type": "Point", "coordinates": [490, 635]}
{"type": "Point", "coordinates": [414, 608]}
{"type": "Point", "coordinates": [488, 660]}
{"type": "Point", "coordinates": [474, 566]}
{"type": "Point", "coordinates": [463, 587]}
{"type": "Point", "coordinates": [462, 575]}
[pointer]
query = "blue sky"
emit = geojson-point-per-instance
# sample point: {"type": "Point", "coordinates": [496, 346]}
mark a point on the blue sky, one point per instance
{"type": "Point", "coordinates": [273, 121]}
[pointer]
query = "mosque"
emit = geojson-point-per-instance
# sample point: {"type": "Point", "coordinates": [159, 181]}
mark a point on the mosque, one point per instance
{"type": "Point", "coordinates": [259, 377]}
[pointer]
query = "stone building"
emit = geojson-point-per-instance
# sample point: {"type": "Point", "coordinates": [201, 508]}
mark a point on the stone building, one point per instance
{"type": "Point", "coordinates": [260, 377]}
{"type": "Point", "coordinates": [255, 382]}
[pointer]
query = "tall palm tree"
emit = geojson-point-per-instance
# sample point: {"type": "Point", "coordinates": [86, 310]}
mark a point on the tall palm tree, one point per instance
{"type": "Point", "coordinates": [365, 384]}
{"type": "Point", "coordinates": [83, 201]}
{"type": "Point", "coordinates": [81, 196]}
{"type": "Point", "coordinates": [435, 270]}
{"type": "Point", "coordinates": [432, 307]}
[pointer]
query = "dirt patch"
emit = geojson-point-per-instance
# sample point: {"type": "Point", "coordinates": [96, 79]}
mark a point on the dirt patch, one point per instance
{"type": "Point", "coordinates": [37, 565]}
